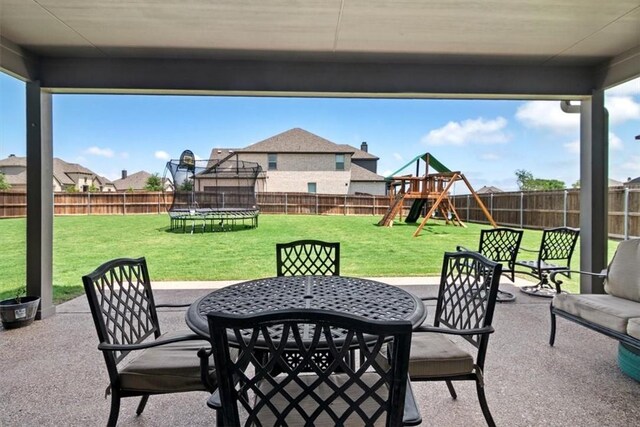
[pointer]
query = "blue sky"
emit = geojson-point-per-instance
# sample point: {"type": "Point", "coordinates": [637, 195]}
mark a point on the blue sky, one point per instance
{"type": "Point", "coordinates": [486, 140]}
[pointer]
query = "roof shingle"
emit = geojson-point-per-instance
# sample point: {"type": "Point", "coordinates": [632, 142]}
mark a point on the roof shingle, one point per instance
{"type": "Point", "coordinates": [297, 140]}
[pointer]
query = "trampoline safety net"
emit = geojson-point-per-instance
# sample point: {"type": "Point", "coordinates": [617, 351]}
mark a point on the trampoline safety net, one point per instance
{"type": "Point", "coordinates": [215, 194]}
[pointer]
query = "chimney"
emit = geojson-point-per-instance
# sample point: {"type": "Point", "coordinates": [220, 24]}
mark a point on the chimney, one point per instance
{"type": "Point", "coordinates": [124, 173]}
{"type": "Point", "coordinates": [364, 147]}
{"type": "Point", "coordinates": [12, 155]}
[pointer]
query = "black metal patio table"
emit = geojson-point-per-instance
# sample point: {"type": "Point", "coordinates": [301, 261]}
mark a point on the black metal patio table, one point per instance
{"type": "Point", "coordinates": [362, 297]}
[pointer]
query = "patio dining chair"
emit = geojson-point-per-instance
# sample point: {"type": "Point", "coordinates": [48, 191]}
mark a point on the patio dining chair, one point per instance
{"type": "Point", "coordinates": [556, 249]}
{"type": "Point", "coordinates": [125, 317]}
{"type": "Point", "coordinates": [308, 257]}
{"type": "Point", "coordinates": [464, 308]}
{"type": "Point", "coordinates": [336, 394]}
{"type": "Point", "coordinates": [501, 245]}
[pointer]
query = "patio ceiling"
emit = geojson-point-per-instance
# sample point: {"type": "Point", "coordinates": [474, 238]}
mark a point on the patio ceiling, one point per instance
{"type": "Point", "coordinates": [546, 48]}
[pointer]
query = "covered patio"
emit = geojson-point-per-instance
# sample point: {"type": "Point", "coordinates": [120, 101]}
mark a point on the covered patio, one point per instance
{"type": "Point", "coordinates": [570, 51]}
{"type": "Point", "coordinates": [54, 375]}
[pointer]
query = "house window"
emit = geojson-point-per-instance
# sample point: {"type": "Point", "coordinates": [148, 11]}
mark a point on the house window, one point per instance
{"type": "Point", "coordinates": [311, 187]}
{"type": "Point", "coordinates": [339, 162]}
{"type": "Point", "coordinates": [273, 162]}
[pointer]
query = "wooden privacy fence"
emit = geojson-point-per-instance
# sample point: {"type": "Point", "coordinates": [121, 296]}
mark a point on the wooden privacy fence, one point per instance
{"type": "Point", "coordinates": [534, 209]}
{"type": "Point", "coordinates": [545, 209]}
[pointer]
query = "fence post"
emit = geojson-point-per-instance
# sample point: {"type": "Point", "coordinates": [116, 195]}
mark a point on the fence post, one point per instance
{"type": "Point", "coordinates": [286, 210]}
{"type": "Point", "coordinates": [345, 204]}
{"type": "Point", "coordinates": [521, 209]}
{"type": "Point", "coordinates": [88, 203]}
{"type": "Point", "coordinates": [223, 200]}
{"type": "Point", "coordinates": [158, 202]}
{"type": "Point", "coordinates": [124, 203]}
{"type": "Point", "coordinates": [491, 206]}
{"type": "Point", "coordinates": [468, 203]}
{"type": "Point", "coordinates": [316, 203]}
{"type": "Point", "coordinates": [373, 205]}
{"type": "Point", "coordinates": [564, 209]}
{"type": "Point", "coordinates": [626, 213]}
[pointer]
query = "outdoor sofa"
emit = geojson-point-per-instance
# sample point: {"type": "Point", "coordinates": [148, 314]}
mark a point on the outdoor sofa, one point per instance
{"type": "Point", "coordinates": [616, 313]}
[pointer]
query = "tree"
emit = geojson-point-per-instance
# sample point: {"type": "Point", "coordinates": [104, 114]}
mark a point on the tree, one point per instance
{"type": "Point", "coordinates": [523, 177]}
{"type": "Point", "coordinates": [186, 185]}
{"type": "Point", "coordinates": [527, 182]}
{"type": "Point", "coordinates": [154, 183]}
{"type": "Point", "coordinates": [4, 185]}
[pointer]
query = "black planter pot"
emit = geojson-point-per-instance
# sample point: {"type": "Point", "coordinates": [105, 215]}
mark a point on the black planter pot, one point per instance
{"type": "Point", "coordinates": [16, 315]}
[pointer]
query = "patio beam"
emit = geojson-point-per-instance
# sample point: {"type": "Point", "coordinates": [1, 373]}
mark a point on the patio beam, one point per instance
{"type": "Point", "coordinates": [40, 197]}
{"type": "Point", "coordinates": [17, 61]}
{"type": "Point", "coordinates": [594, 160]}
{"type": "Point", "coordinates": [620, 69]}
{"type": "Point", "coordinates": [314, 78]}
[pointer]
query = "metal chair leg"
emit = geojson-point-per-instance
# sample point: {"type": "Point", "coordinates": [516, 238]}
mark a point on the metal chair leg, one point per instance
{"type": "Point", "coordinates": [552, 336]}
{"type": "Point", "coordinates": [142, 404]}
{"type": "Point", "coordinates": [452, 390]}
{"type": "Point", "coordinates": [115, 409]}
{"type": "Point", "coordinates": [483, 404]}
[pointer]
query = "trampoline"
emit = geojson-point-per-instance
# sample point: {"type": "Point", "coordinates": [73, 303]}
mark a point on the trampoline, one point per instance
{"type": "Point", "coordinates": [218, 194]}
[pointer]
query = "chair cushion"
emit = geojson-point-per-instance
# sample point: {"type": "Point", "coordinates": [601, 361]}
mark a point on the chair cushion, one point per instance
{"type": "Point", "coordinates": [309, 405]}
{"type": "Point", "coordinates": [172, 367]}
{"type": "Point", "coordinates": [434, 355]}
{"type": "Point", "coordinates": [623, 276]}
{"type": "Point", "coordinates": [604, 310]}
{"type": "Point", "coordinates": [633, 327]}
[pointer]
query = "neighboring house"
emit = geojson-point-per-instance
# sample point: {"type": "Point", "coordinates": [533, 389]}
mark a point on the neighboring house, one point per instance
{"type": "Point", "coordinates": [137, 182]}
{"type": "Point", "coordinates": [300, 161]}
{"type": "Point", "coordinates": [65, 176]}
{"type": "Point", "coordinates": [226, 172]}
{"type": "Point", "coordinates": [488, 190]}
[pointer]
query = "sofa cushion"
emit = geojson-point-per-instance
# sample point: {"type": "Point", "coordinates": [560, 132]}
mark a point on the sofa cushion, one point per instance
{"type": "Point", "coordinates": [633, 328]}
{"type": "Point", "coordinates": [434, 354]}
{"type": "Point", "coordinates": [623, 275]}
{"type": "Point", "coordinates": [604, 310]}
{"type": "Point", "coordinates": [172, 367]}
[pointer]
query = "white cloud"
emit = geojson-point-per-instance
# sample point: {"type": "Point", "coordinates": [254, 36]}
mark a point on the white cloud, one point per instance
{"type": "Point", "coordinates": [97, 151]}
{"type": "Point", "coordinates": [631, 167]}
{"type": "Point", "coordinates": [124, 155]}
{"type": "Point", "coordinates": [632, 87]}
{"type": "Point", "coordinates": [615, 143]}
{"type": "Point", "coordinates": [573, 146]}
{"type": "Point", "coordinates": [162, 155]}
{"type": "Point", "coordinates": [387, 172]}
{"type": "Point", "coordinates": [547, 115]}
{"type": "Point", "coordinates": [397, 156]}
{"type": "Point", "coordinates": [469, 131]}
{"type": "Point", "coordinates": [489, 156]}
{"type": "Point", "coordinates": [622, 109]}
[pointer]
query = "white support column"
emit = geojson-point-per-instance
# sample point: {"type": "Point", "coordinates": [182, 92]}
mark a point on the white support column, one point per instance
{"type": "Point", "coordinates": [40, 198]}
{"type": "Point", "coordinates": [594, 150]}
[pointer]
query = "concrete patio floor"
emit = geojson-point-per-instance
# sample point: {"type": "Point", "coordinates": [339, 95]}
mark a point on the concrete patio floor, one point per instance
{"type": "Point", "coordinates": [53, 374]}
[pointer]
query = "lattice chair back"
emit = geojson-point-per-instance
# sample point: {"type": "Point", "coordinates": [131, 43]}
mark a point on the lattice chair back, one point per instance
{"type": "Point", "coordinates": [558, 244]}
{"type": "Point", "coordinates": [501, 245]}
{"type": "Point", "coordinates": [308, 257]}
{"type": "Point", "coordinates": [330, 395]}
{"type": "Point", "coordinates": [467, 294]}
{"type": "Point", "coordinates": [122, 305]}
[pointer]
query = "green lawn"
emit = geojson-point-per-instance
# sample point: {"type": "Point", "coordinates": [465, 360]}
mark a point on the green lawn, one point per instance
{"type": "Point", "coordinates": [81, 243]}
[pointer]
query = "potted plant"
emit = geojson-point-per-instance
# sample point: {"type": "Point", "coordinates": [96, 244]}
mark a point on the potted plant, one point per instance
{"type": "Point", "coordinates": [19, 311]}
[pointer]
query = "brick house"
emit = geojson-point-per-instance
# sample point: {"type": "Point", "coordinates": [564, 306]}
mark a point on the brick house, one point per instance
{"type": "Point", "coordinates": [137, 182]}
{"type": "Point", "coordinates": [300, 161]}
{"type": "Point", "coordinates": [66, 176]}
